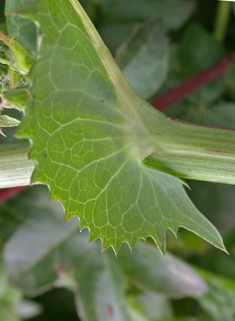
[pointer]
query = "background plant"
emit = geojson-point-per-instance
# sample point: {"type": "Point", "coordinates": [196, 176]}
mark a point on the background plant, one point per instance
{"type": "Point", "coordinates": [83, 270]}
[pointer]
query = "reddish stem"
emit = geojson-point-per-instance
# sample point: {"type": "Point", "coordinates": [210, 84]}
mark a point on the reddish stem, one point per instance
{"type": "Point", "coordinates": [178, 94]}
{"type": "Point", "coordinates": [8, 193]}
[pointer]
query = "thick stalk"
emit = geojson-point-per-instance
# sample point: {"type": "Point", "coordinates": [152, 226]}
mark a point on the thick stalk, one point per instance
{"type": "Point", "coordinates": [194, 152]}
{"type": "Point", "coordinates": [15, 167]}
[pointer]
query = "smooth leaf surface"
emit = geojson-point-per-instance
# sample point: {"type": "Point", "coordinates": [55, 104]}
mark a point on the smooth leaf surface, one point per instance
{"type": "Point", "coordinates": [91, 134]}
{"type": "Point", "coordinates": [143, 58]}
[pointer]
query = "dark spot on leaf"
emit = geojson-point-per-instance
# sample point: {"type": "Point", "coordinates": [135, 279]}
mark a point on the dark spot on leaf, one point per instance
{"type": "Point", "coordinates": [102, 101]}
{"type": "Point", "coordinates": [45, 155]}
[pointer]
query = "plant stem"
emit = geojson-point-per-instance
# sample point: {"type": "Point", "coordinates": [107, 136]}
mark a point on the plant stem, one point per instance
{"type": "Point", "coordinates": [15, 168]}
{"type": "Point", "coordinates": [191, 151]}
{"type": "Point", "coordinates": [222, 19]}
{"type": "Point", "coordinates": [178, 94]}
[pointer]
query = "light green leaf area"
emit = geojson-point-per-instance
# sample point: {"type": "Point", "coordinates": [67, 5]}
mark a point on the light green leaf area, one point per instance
{"type": "Point", "coordinates": [91, 134]}
{"type": "Point", "coordinates": [143, 58]}
{"type": "Point", "coordinates": [6, 121]}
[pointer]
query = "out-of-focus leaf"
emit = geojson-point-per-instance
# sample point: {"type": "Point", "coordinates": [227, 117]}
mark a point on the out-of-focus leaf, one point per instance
{"type": "Point", "coordinates": [3, 27]}
{"type": "Point", "coordinates": [115, 33]}
{"type": "Point", "coordinates": [170, 276]}
{"type": "Point", "coordinates": [101, 273]}
{"type": "Point", "coordinates": [187, 243]}
{"type": "Point", "coordinates": [220, 264]}
{"type": "Point", "coordinates": [143, 58]}
{"type": "Point", "coordinates": [219, 302]}
{"type": "Point", "coordinates": [35, 246]}
{"type": "Point", "coordinates": [230, 79]}
{"type": "Point", "coordinates": [27, 309]}
{"type": "Point", "coordinates": [155, 306]}
{"type": "Point", "coordinates": [43, 249]}
{"type": "Point", "coordinates": [187, 61]}
{"type": "Point", "coordinates": [9, 297]}
{"type": "Point", "coordinates": [198, 50]}
{"type": "Point", "coordinates": [22, 29]}
{"type": "Point", "coordinates": [173, 12]}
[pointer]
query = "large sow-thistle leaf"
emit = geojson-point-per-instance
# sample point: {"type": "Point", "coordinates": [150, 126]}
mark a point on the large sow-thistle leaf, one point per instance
{"type": "Point", "coordinates": [91, 134]}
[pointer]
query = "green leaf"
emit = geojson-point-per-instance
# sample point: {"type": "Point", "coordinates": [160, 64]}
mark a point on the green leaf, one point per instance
{"type": "Point", "coordinates": [91, 134]}
{"type": "Point", "coordinates": [22, 29]}
{"type": "Point", "coordinates": [143, 58]}
{"type": "Point", "coordinates": [6, 121]}
{"type": "Point", "coordinates": [173, 12]}
{"type": "Point", "coordinates": [147, 270]}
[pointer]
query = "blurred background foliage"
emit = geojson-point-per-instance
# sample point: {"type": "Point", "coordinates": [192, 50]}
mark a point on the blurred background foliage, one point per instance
{"type": "Point", "coordinates": [49, 272]}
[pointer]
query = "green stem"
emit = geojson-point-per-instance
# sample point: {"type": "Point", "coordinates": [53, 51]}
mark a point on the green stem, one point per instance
{"type": "Point", "coordinates": [193, 152]}
{"type": "Point", "coordinates": [15, 168]}
{"type": "Point", "coordinates": [222, 19]}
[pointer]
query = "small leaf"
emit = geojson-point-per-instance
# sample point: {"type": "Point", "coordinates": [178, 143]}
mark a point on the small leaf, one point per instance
{"type": "Point", "coordinates": [6, 121]}
{"type": "Point", "coordinates": [143, 58]}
